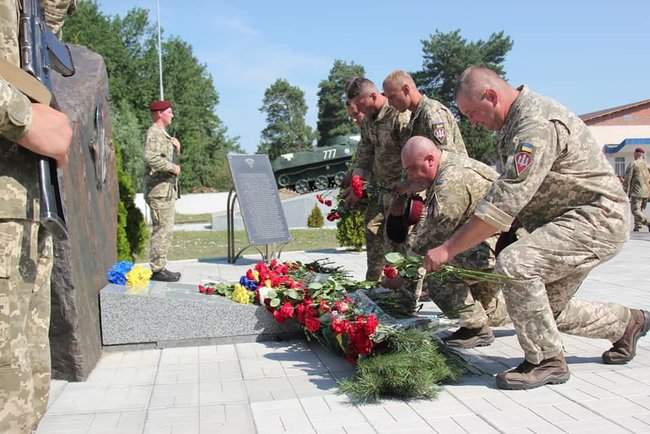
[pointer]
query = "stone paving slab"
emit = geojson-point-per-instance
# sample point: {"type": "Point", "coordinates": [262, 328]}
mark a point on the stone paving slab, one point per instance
{"type": "Point", "coordinates": [290, 387]}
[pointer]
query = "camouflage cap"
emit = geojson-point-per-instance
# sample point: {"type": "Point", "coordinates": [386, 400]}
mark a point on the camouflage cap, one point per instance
{"type": "Point", "coordinates": [160, 105]}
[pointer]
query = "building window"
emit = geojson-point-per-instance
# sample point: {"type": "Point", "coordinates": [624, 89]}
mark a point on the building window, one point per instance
{"type": "Point", "coordinates": [619, 166]}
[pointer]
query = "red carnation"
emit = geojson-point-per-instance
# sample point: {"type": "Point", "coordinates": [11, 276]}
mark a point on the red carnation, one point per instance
{"type": "Point", "coordinates": [357, 186]}
{"type": "Point", "coordinates": [371, 324]}
{"type": "Point", "coordinates": [202, 289]}
{"type": "Point", "coordinates": [341, 306]}
{"type": "Point", "coordinates": [333, 215]}
{"type": "Point", "coordinates": [323, 307]}
{"type": "Point", "coordinates": [287, 310]}
{"type": "Point", "coordinates": [390, 272]}
{"type": "Point", "coordinates": [339, 325]}
{"type": "Point", "coordinates": [312, 323]}
{"type": "Point", "coordinates": [279, 317]}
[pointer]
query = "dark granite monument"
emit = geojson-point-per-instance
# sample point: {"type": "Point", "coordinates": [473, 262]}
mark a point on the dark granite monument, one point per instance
{"type": "Point", "coordinates": [90, 197]}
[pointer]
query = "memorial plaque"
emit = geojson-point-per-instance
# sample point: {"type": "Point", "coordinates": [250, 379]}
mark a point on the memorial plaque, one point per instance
{"type": "Point", "coordinates": [259, 202]}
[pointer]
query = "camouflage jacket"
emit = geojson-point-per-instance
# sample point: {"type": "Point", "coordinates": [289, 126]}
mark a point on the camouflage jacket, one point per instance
{"type": "Point", "coordinates": [451, 199]}
{"type": "Point", "coordinates": [636, 179]}
{"type": "Point", "coordinates": [19, 189]}
{"type": "Point", "coordinates": [378, 153]}
{"type": "Point", "coordinates": [554, 171]}
{"type": "Point", "coordinates": [436, 122]}
{"type": "Point", "coordinates": [19, 192]}
{"type": "Point", "coordinates": [159, 180]}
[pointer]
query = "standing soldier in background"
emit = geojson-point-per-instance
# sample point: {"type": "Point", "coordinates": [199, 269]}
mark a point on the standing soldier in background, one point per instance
{"type": "Point", "coordinates": [429, 118]}
{"type": "Point", "coordinates": [561, 188]}
{"type": "Point", "coordinates": [636, 185]}
{"type": "Point", "coordinates": [377, 161]}
{"type": "Point", "coordinates": [26, 259]}
{"type": "Point", "coordinates": [160, 189]}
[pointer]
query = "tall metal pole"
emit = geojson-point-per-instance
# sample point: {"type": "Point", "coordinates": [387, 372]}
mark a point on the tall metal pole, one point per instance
{"type": "Point", "coordinates": [162, 93]}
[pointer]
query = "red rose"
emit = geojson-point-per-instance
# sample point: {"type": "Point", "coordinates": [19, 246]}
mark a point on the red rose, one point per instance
{"type": "Point", "coordinates": [202, 289]}
{"type": "Point", "coordinates": [390, 272]}
{"type": "Point", "coordinates": [328, 202]}
{"type": "Point", "coordinates": [209, 290]}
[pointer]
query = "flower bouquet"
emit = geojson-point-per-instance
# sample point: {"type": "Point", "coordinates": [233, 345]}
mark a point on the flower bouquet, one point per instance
{"type": "Point", "coordinates": [133, 276]}
{"type": "Point", "coordinates": [333, 310]}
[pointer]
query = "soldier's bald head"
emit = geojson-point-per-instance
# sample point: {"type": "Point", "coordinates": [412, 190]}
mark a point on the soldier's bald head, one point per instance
{"type": "Point", "coordinates": [417, 148]}
{"type": "Point", "coordinates": [476, 79]}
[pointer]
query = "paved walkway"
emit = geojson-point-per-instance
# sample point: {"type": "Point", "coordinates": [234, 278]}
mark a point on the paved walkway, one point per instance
{"type": "Point", "coordinates": [290, 387]}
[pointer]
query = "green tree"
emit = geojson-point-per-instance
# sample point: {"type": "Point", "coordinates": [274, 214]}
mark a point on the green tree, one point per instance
{"type": "Point", "coordinates": [128, 133]}
{"type": "Point", "coordinates": [445, 56]}
{"type": "Point", "coordinates": [315, 219]}
{"type": "Point", "coordinates": [286, 130]}
{"type": "Point", "coordinates": [332, 116]}
{"type": "Point", "coordinates": [350, 230]}
{"type": "Point", "coordinates": [128, 45]}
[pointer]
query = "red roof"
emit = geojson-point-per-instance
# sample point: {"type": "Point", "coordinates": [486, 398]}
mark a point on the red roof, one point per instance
{"type": "Point", "coordinates": [600, 113]}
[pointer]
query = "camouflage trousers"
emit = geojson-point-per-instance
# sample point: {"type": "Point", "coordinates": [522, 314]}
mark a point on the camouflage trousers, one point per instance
{"type": "Point", "coordinates": [475, 305]}
{"type": "Point", "coordinates": [377, 243]}
{"type": "Point", "coordinates": [25, 270]}
{"type": "Point", "coordinates": [547, 268]}
{"type": "Point", "coordinates": [638, 204]}
{"type": "Point", "coordinates": [163, 213]}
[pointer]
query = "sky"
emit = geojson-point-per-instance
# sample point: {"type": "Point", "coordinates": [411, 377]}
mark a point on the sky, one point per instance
{"type": "Point", "coordinates": [589, 55]}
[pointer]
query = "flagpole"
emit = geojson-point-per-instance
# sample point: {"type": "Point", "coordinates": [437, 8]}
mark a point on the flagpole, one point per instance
{"type": "Point", "coordinates": [162, 93]}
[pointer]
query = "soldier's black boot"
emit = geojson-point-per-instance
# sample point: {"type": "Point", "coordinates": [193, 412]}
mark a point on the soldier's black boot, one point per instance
{"type": "Point", "coordinates": [470, 337]}
{"type": "Point", "coordinates": [528, 375]}
{"type": "Point", "coordinates": [624, 349]}
{"type": "Point", "coordinates": [165, 275]}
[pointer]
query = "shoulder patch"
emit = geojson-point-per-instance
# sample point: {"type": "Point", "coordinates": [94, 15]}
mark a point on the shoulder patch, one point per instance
{"type": "Point", "coordinates": [439, 132]}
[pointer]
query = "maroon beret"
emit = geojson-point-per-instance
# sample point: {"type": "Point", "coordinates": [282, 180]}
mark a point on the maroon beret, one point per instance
{"type": "Point", "coordinates": [157, 106]}
{"type": "Point", "coordinates": [639, 150]}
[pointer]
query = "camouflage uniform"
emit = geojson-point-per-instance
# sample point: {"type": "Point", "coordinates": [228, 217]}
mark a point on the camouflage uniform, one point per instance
{"type": "Point", "coordinates": [160, 193]}
{"type": "Point", "coordinates": [25, 252]}
{"type": "Point", "coordinates": [450, 201]}
{"type": "Point", "coordinates": [636, 185]}
{"type": "Point", "coordinates": [378, 157]}
{"type": "Point", "coordinates": [437, 123]}
{"type": "Point", "coordinates": [562, 189]}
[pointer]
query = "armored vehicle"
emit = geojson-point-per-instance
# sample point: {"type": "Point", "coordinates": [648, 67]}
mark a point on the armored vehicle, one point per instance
{"type": "Point", "coordinates": [318, 169]}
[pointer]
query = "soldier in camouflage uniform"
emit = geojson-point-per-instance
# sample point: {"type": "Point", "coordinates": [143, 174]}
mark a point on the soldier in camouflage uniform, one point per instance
{"type": "Point", "coordinates": [454, 185]}
{"type": "Point", "coordinates": [161, 175]}
{"type": "Point", "coordinates": [26, 258]}
{"type": "Point", "coordinates": [559, 185]}
{"type": "Point", "coordinates": [637, 188]}
{"type": "Point", "coordinates": [428, 118]}
{"type": "Point", "coordinates": [377, 161]}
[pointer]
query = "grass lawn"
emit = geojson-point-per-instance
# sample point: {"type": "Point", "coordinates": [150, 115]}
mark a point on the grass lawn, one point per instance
{"type": "Point", "coordinates": [193, 218]}
{"type": "Point", "coordinates": [211, 244]}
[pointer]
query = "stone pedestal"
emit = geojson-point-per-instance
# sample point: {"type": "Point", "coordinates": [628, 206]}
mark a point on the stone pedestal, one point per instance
{"type": "Point", "coordinates": [177, 314]}
{"type": "Point", "coordinates": [90, 201]}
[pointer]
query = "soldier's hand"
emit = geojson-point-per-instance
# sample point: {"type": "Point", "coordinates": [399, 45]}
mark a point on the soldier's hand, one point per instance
{"type": "Point", "coordinates": [395, 283]}
{"type": "Point", "coordinates": [176, 144]}
{"type": "Point", "coordinates": [50, 134]}
{"type": "Point", "coordinates": [176, 169]}
{"type": "Point", "coordinates": [436, 258]}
